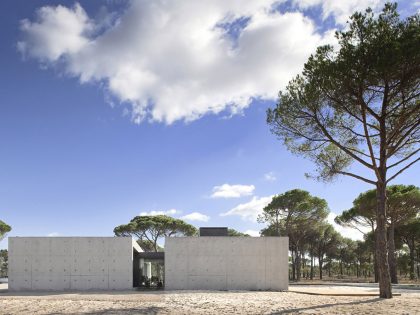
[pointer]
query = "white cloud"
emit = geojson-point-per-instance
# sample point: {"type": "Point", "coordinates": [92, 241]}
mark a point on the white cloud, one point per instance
{"type": "Point", "coordinates": [196, 216]}
{"type": "Point", "coordinates": [270, 177]}
{"type": "Point", "coordinates": [340, 10]}
{"type": "Point", "coordinates": [53, 234]}
{"type": "Point", "coordinates": [252, 233]}
{"type": "Point", "coordinates": [177, 60]}
{"type": "Point", "coordinates": [232, 191]}
{"type": "Point", "coordinates": [344, 231]}
{"type": "Point", "coordinates": [249, 210]}
{"type": "Point", "coordinates": [161, 212]}
{"type": "Point", "coordinates": [59, 31]}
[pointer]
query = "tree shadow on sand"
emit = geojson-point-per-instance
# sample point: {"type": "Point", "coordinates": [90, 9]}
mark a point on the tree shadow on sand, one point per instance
{"type": "Point", "coordinates": [300, 309]}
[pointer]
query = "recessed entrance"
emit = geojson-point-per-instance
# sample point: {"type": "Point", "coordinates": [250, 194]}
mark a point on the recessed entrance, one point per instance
{"type": "Point", "coordinates": [149, 270]}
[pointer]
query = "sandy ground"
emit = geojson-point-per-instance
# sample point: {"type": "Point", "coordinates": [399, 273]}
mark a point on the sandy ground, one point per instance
{"type": "Point", "coordinates": [206, 302]}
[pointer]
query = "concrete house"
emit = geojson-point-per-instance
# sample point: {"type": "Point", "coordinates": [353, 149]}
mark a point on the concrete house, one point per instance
{"type": "Point", "coordinates": [71, 263]}
{"type": "Point", "coordinates": [212, 261]}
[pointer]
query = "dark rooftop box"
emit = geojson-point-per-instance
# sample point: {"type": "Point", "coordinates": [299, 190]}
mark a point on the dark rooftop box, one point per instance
{"type": "Point", "coordinates": [213, 231]}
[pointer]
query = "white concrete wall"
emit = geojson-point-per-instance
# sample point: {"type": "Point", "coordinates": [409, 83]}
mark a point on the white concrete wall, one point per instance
{"type": "Point", "coordinates": [226, 263]}
{"type": "Point", "coordinates": [71, 263]}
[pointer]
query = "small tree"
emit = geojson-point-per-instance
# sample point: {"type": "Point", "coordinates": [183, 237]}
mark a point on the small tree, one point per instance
{"type": "Point", "coordinates": [359, 104]}
{"type": "Point", "coordinates": [150, 229]}
{"type": "Point", "coordinates": [361, 216]}
{"type": "Point", "coordinates": [403, 205]}
{"type": "Point", "coordinates": [363, 256]}
{"type": "Point", "coordinates": [326, 243]}
{"type": "Point", "coordinates": [410, 235]}
{"type": "Point", "coordinates": [292, 214]}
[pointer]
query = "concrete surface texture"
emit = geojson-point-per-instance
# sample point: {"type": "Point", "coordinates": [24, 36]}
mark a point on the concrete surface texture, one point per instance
{"type": "Point", "coordinates": [226, 263]}
{"type": "Point", "coordinates": [71, 263]}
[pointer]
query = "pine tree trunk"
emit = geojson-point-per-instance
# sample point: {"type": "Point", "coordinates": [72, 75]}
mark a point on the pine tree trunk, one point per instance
{"type": "Point", "coordinates": [412, 261]}
{"type": "Point", "coordinates": [375, 264]}
{"type": "Point", "coordinates": [320, 262]}
{"type": "Point", "coordinates": [293, 265]}
{"type": "Point", "coordinates": [391, 254]}
{"type": "Point", "coordinates": [298, 264]}
{"type": "Point", "coordinates": [329, 268]}
{"type": "Point", "coordinates": [385, 290]}
{"type": "Point", "coordinates": [312, 266]}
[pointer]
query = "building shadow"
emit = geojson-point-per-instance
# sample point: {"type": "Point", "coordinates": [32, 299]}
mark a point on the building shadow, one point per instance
{"type": "Point", "coordinates": [40, 293]}
{"type": "Point", "coordinates": [149, 310]}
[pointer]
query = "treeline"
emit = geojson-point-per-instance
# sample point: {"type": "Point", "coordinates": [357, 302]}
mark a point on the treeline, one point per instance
{"type": "Point", "coordinates": [318, 250]}
{"type": "Point", "coordinates": [150, 229]}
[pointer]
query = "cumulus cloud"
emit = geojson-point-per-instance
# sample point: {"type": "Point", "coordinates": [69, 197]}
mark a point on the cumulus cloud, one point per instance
{"type": "Point", "coordinates": [249, 210]}
{"type": "Point", "coordinates": [196, 216]}
{"type": "Point", "coordinates": [339, 10]}
{"type": "Point", "coordinates": [270, 177]}
{"type": "Point", "coordinates": [53, 234]}
{"type": "Point", "coordinates": [58, 31]}
{"type": "Point", "coordinates": [178, 60]}
{"type": "Point", "coordinates": [161, 212]}
{"type": "Point", "coordinates": [232, 191]}
{"type": "Point", "coordinates": [252, 233]}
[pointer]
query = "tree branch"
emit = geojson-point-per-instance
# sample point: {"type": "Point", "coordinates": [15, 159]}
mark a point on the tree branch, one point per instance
{"type": "Point", "coordinates": [326, 133]}
{"type": "Point", "coordinates": [404, 159]}
{"type": "Point", "coordinates": [396, 147]}
{"type": "Point", "coordinates": [369, 144]}
{"type": "Point", "coordinates": [402, 170]}
{"type": "Point", "coordinates": [357, 176]}
{"type": "Point", "coordinates": [398, 128]}
{"type": "Point", "coordinates": [356, 133]}
{"type": "Point", "coordinates": [361, 153]}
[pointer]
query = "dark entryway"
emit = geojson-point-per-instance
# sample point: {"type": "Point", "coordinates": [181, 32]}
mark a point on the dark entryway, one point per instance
{"type": "Point", "coordinates": [149, 270]}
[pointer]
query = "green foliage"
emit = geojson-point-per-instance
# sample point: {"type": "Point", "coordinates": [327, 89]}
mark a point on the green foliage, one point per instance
{"type": "Point", "coordinates": [4, 229]}
{"type": "Point", "coordinates": [362, 214]}
{"type": "Point", "coordinates": [403, 204]}
{"type": "Point", "coordinates": [410, 231]}
{"type": "Point", "coordinates": [403, 262]}
{"type": "Point", "coordinates": [152, 228]}
{"type": "Point", "coordinates": [4, 262]}
{"type": "Point", "coordinates": [269, 231]}
{"type": "Point", "coordinates": [327, 241]}
{"type": "Point", "coordinates": [409, 234]}
{"type": "Point", "coordinates": [149, 246]}
{"type": "Point", "coordinates": [358, 103]}
{"type": "Point", "coordinates": [293, 209]}
{"type": "Point", "coordinates": [295, 214]}
{"type": "Point", "coordinates": [233, 232]}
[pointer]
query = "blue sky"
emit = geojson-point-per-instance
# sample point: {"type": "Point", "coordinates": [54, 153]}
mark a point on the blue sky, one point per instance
{"type": "Point", "coordinates": [96, 128]}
